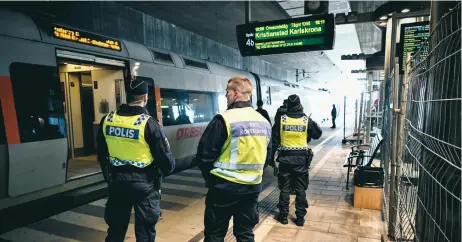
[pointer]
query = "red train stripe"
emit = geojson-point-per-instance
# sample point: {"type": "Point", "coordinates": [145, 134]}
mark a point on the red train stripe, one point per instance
{"type": "Point", "coordinates": [9, 111]}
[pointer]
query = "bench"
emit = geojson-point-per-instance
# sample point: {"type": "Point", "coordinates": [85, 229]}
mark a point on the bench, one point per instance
{"type": "Point", "coordinates": [360, 157]}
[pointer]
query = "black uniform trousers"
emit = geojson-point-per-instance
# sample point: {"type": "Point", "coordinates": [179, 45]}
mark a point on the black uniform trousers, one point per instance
{"type": "Point", "coordinates": [220, 205]}
{"type": "Point", "coordinates": [293, 170]}
{"type": "Point", "coordinates": [123, 196]}
{"type": "Point", "coordinates": [333, 121]}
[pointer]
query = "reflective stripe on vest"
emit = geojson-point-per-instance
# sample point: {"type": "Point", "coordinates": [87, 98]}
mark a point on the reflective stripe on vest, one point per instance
{"type": "Point", "coordinates": [125, 140]}
{"type": "Point", "coordinates": [244, 153]}
{"type": "Point", "coordinates": [294, 133]}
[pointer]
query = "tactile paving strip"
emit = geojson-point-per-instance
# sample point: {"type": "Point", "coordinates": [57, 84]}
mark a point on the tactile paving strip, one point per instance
{"type": "Point", "coordinates": [266, 208]}
{"type": "Point", "coordinates": [268, 205]}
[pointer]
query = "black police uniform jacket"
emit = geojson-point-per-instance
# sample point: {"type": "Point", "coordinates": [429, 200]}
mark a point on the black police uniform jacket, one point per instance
{"type": "Point", "coordinates": [314, 132]}
{"type": "Point", "coordinates": [163, 163]}
{"type": "Point", "coordinates": [209, 150]}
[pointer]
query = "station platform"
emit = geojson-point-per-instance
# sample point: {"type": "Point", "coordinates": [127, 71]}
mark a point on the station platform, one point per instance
{"type": "Point", "coordinates": [331, 216]}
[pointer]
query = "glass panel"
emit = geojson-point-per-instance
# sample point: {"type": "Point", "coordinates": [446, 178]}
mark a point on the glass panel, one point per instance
{"type": "Point", "coordinates": [38, 101]}
{"type": "Point", "coordinates": [119, 92]}
{"type": "Point", "coordinates": [186, 107]}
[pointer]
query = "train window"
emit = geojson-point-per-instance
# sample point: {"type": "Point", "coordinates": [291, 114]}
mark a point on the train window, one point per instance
{"type": "Point", "coordinates": [195, 64]}
{"type": "Point", "coordinates": [222, 102]}
{"type": "Point", "coordinates": [162, 57]}
{"type": "Point", "coordinates": [2, 127]}
{"type": "Point", "coordinates": [186, 107]}
{"type": "Point", "coordinates": [39, 102]}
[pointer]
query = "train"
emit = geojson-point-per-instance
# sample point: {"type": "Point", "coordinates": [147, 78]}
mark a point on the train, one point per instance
{"type": "Point", "coordinates": [57, 82]}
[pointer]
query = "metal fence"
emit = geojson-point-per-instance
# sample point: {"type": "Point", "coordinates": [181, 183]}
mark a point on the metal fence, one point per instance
{"type": "Point", "coordinates": [422, 151]}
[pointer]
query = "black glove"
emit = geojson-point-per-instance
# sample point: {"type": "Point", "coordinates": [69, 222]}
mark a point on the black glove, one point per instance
{"type": "Point", "coordinates": [275, 171]}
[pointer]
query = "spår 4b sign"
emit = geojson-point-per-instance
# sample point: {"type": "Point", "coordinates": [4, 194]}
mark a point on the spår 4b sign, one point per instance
{"type": "Point", "coordinates": [287, 35]}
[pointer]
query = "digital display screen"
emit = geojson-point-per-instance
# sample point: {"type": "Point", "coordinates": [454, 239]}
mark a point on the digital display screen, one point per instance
{"type": "Point", "coordinates": [287, 36]}
{"type": "Point", "coordinates": [413, 36]}
{"type": "Point", "coordinates": [82, 37]}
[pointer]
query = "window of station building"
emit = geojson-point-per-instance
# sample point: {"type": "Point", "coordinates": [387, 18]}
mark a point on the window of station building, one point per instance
{"type": "Point", "coordinates": [38, 101]}
{"type": "Point", "coordinates": [186, 107]}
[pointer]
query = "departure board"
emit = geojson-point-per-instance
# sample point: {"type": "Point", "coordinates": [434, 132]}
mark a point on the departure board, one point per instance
{"type": "Point", "coordinates": [82, 37]}
{"type": "Point", "coordinates": [413, 36]}
{"type": "Point", "coordinates": [286, 36]}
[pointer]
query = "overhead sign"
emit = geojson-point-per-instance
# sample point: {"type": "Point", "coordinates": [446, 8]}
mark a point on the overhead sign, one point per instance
{"type": "Point", "coordinates": [82, 37]}
{"type": "Point", "coordinates": [413, 36]}
{"type": "Point", "coordinates": [286, 36]}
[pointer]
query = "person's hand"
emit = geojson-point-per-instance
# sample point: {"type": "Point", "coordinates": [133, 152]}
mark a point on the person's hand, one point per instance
{"type": "Point", "coordinates": [275, 171]}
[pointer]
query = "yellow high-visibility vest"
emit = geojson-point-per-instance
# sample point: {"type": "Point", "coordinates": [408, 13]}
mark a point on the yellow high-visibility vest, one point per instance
{"type": "Point", "coordinates": [294, 133]}
{"type": "Point", "coordinates": [125, 140]}
{"type": "Point", "coordinates": [244, 153]}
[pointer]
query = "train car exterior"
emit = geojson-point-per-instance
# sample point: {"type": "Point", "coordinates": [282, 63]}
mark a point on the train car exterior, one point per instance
{"type": "Point", "coordinates": [57, 82]}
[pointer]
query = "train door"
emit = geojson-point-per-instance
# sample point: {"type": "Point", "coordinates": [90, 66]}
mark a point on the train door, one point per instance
{"type": "Point", "coordinates": [3, 157]}
{"type": "Point", "coordinates": [91, 91]}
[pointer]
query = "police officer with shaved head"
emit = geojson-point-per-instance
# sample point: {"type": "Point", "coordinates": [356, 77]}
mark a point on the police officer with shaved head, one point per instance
{"type": "Point", "coordinates": [232, 153]}
{"type": "Point", "coordinates": [291, 135]}
{"type": "Point", "coordinates": [134, 154]}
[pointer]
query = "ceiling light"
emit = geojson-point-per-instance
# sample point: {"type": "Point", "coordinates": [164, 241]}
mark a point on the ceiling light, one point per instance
{"type": "Point", "coordinates": [406, 10]}
{"type": "Point", "coordinates": [383, 24]}
{"type": "Point", "coordinates": [383, 18]}
{"type": "Point", "coordinates": [390, 14]}
{"type": "Point", "coordinates": [65, 63]}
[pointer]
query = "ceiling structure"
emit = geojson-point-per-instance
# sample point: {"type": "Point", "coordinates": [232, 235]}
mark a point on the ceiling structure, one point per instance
{"type": "Point", "coordinates": [369, 35]}
{"type": "Point", "coordinates": [217, 20]}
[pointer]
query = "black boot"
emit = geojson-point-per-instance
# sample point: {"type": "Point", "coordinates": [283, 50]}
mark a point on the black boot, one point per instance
{"type": "Point", "coordinates": [299, 221]}
{"type": "Point", "coordinates": [283, 219]}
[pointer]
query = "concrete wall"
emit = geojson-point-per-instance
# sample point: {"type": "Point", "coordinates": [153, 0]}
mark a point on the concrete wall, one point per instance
{"type": "Point", "coordinates": [114, 19]}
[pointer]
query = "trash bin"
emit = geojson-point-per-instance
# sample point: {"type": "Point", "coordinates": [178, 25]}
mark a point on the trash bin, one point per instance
{"type": "Point", "coordinates": [368, 182]}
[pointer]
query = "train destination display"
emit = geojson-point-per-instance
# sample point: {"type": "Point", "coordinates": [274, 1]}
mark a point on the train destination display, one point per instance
{"type": "Point", "coordinates": [413, 36]}
{"type": "Point", "coordinates": [82, 37]}
{"type": "Point", "coordinates": [287, 36]}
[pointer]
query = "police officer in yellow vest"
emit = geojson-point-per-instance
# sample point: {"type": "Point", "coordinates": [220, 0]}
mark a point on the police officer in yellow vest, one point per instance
{"type": "Point", "coordinates": [291, 135]}
{"type": "Point", "coordinates": [134, 155]}
{"type": "Point", "coordinates": [232, 153]}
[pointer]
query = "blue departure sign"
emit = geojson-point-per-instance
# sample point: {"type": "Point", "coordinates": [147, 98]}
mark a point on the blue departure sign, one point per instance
{"type": "Point", "coordinates": [287, 36]}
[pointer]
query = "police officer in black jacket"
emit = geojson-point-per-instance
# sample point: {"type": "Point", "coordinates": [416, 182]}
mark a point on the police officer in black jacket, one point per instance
{"type": "Point", "coordinates": [134, 154]}
{"type": "Point", "coordinates": [225, 198]}
{"type": "Point", "coordinates": [291, 135]}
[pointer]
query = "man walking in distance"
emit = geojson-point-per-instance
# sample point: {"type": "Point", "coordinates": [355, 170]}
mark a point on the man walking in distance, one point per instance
{"type": "Point", "coordinates": [291, 135]}
{"type": "Point", "coordinates": [333, 113]}
{"type": "Point", "coordinates": [134, 155]}
{"type": "Point", "coordinates": [262, 111]}
{"type": "Point", "coordinates": [232, 153]}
